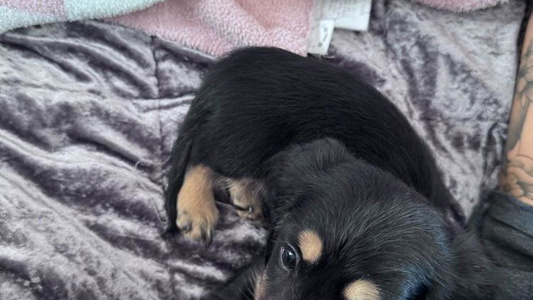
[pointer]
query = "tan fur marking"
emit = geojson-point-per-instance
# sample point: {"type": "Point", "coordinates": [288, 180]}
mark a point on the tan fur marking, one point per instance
{"type": "Point", "coordinates": [311, 245]}
{"type": "Point", "coordinates": [260, 287]}
{"type": "Point", "coordinates": [361, 290]}
{"type": "Point", "coordinates": [196, 203]}
{"type": "Point", "coordinates": [245, 193]}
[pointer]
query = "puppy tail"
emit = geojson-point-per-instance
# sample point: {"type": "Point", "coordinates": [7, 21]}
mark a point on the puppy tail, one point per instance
{"type": "Point", "coordinates": [179, 160]}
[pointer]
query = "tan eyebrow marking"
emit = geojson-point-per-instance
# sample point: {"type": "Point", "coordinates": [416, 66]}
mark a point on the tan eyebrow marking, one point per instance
{"type": "Point", "coordinates": [361, 290]}
{"type": "Point", "coordinates": [311, 245]}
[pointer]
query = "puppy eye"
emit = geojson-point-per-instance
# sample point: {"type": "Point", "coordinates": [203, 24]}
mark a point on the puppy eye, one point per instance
{"type": "Point", "coordinates": [289, 257]}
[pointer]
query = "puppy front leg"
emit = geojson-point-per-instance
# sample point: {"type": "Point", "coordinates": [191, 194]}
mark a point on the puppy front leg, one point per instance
{"type": "Point", "coordinates": [197, 214]}
{"type": "Point", "coordinates": [242, 286]}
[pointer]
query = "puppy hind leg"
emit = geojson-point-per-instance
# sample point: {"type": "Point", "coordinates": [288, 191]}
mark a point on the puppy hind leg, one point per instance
{"type": "Point", "coordinates": [245, 195]}
{"type": "Point", "coordinates": [197, 214]}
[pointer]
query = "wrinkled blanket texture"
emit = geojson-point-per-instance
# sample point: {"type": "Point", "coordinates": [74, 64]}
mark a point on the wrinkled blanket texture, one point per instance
{"type": "Point", "coordinates": [89, 112]}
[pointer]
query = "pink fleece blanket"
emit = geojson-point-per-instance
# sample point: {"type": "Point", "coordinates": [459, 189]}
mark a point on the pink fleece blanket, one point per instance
{"type": "Point", "coordinates": [212, 26]}
{"type": "Point", "coordinates": [218, 26]}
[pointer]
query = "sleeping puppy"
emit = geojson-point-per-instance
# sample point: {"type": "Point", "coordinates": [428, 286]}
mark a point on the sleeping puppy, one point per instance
{"type": "Point", "coordinates": [355, 206]}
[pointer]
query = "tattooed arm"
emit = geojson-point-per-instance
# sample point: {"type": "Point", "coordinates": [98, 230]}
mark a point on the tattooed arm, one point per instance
{"type": "Point", "coordinates": [516, 175]}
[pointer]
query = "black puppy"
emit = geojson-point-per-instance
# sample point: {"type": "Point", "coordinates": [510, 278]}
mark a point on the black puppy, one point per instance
{"type": "Point", "coordinates": [357, 208]}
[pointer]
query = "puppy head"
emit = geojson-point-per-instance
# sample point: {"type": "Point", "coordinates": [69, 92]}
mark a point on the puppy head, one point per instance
{"type": "Point", "coordinates": [347, 230]}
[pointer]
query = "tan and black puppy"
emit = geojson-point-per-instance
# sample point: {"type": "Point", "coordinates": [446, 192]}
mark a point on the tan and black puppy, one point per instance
{"type": "Point", "coordinates": [356, 206]}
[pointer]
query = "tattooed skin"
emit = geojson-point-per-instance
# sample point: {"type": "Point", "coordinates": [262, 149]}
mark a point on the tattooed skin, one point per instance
{"type": "Point", "coordinates": [516, 176]}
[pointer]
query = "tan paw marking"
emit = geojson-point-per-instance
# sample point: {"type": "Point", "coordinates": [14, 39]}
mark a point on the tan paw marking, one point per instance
{"type": "Point", "coordinates": [245, 195]}
{"type": "Point", "coordinates": [197, 213]}
{"type": "Point", "coordinates": [361, 290]}
{"type": "Point", "coordinates": [310, 245]}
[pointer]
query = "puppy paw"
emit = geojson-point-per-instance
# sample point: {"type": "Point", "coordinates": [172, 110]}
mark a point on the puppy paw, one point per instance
{"type": "Point", "coordinates": [245, 196]}
{"type": "Point", "coordinates": [197, 212]}
{"type": "Point", "coordinates": [197, 221]}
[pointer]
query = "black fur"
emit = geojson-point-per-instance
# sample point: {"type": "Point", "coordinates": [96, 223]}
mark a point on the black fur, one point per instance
{"type": "Point", "coordinates": [338, 158]}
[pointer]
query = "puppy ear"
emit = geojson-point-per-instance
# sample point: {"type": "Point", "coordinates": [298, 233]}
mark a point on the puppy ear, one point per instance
{"type": "Point", "coordinates": [297, 169]}
{"type": "Point", "coordinates": [474, 276]}
{"type": "Point", "coordinates": [293, 173]}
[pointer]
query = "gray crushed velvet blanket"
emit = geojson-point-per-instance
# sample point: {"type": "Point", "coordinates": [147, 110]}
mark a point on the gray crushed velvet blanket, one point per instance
{"type": "Point", "coordinates": [89, 111]}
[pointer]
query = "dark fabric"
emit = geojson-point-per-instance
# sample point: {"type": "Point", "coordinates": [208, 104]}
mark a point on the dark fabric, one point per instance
{"type": "Point", "coordinates": [89, 112]}
{"type": "Point", "coordinates": [507, 235]}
